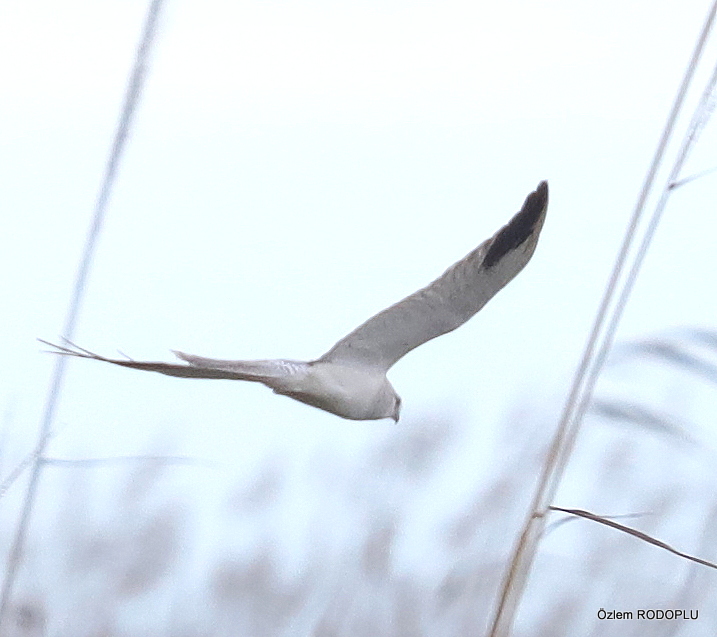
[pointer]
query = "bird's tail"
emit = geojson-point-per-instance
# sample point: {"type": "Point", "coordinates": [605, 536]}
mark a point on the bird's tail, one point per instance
{"type": "Point", "coordinates": [263, 371]}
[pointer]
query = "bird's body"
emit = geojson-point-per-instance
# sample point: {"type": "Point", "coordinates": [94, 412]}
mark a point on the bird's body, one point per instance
{"type": "Point", "coordinates": [350, 379]}
{"type": "Point", "coordinates": [349, 391]}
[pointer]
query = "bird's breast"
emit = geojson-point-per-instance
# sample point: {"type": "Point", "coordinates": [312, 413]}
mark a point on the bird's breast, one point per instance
{"type": "Point", "coordinates": [349, 392]}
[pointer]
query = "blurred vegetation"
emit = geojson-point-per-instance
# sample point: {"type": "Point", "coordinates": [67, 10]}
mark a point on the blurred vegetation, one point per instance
{"type": "Point", "coordinates": [388, 551]}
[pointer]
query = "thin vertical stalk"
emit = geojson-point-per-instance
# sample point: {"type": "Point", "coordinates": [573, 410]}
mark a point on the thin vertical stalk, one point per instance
{"type": "Point", "coordinates": [590, 364]}
{"type": "Point", "coordinates": [132, 96]}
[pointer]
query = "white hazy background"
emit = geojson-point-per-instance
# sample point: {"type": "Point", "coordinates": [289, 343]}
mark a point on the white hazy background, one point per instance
{"type": "Point", "coordinates": [294, 167]}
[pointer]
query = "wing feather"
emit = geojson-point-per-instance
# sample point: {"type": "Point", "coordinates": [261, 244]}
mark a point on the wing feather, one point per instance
{"type": "Point", "coordinates": [450, 300]}
{"type": "Point", "coordinates": [197, 367]}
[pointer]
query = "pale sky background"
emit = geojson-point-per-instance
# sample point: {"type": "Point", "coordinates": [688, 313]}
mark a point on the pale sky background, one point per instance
{"type": "Point", "coordinates": [295, 167]}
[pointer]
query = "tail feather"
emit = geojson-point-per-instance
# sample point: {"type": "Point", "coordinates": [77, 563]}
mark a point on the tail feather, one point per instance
{"type": "Point", "coordinates": [254, 370]}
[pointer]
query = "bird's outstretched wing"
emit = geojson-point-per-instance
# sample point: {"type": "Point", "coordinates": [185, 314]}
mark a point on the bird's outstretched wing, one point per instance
{"type": "Point", "coordinates": [198, 366]}
{"type": "Point", "coordinates": [451, 299]}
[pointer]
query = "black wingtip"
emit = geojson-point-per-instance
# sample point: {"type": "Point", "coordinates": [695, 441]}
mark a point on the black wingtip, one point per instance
{"type": "Point", "coordinates": [520, 227]}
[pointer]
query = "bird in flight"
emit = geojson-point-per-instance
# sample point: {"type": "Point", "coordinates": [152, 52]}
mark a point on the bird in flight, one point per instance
{"type": "Point", "coordinates": [350, 379]}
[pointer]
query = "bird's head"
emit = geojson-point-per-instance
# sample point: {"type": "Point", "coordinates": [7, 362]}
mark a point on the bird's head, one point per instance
{"type": "Point", "coordinates": [387, 403]}
{"type": "Point", "coordinates": [396, 407]}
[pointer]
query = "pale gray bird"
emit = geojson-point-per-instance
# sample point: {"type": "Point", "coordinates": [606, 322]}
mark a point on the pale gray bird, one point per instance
{"type": "Point", "coordinates": [350, 379]}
